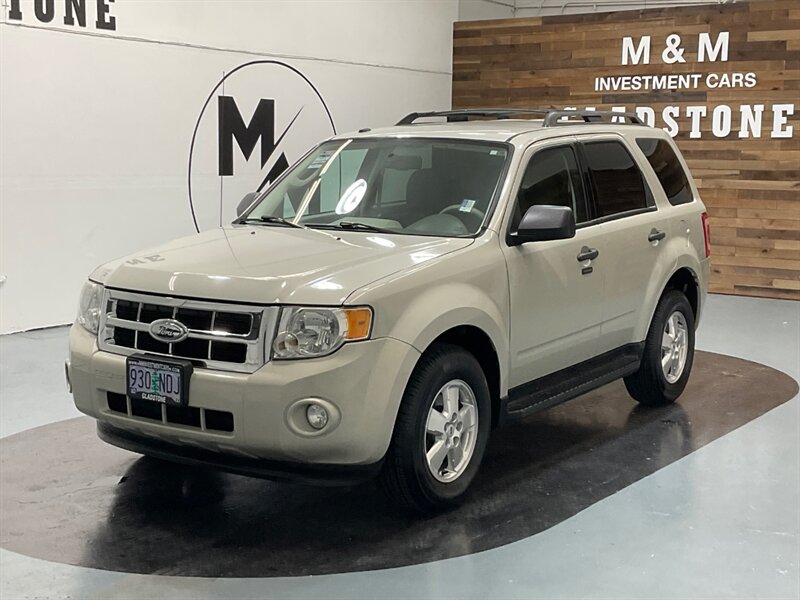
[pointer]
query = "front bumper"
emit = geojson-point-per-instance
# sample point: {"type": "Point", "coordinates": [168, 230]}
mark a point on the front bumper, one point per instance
{"type": "Point", "coordinates": [363, 381]}
{"type": "Point", "coordinates": [312, 473]}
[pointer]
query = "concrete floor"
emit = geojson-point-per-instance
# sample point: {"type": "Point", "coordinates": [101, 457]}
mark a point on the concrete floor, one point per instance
{"type": "Point", "coordinates": [721, 522]}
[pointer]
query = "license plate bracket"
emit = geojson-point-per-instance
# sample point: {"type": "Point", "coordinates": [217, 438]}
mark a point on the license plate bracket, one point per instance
{"type": "Point", "coordinates": [158, 379]}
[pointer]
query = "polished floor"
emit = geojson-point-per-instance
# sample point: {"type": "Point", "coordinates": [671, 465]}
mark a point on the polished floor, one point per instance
{"type": "Point", "coordinates": [594, 499]}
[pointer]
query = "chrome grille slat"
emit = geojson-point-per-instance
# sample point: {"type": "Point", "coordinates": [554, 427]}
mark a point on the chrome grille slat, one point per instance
{"type": "Point", "coordinates": [171, 345]}
{"type": "Point", "coordinates": [213, 322]}
{"type": "Point", "coordinates": [199, 334]}
{"type": "Point", "coordinates": [138, 317]}
{"type": "Point", "coordinates": [250, 347]}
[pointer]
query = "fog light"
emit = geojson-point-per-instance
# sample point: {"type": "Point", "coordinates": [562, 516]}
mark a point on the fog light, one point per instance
{"type": "Point", "coordinates": [317, 416]}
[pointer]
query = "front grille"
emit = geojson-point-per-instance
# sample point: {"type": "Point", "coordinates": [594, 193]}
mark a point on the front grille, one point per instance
{"type": "Point", "coordinates": [204, 419]}
{"type": "Point", "coordinates": [221, 336]}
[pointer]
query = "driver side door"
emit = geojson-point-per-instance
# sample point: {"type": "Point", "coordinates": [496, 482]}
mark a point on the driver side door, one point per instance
{"type": "Point", "coordinates": [556, 297]}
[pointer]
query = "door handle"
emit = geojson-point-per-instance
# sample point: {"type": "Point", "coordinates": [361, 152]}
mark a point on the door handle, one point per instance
{"type": "Point", "coordinates": [656, 235]}
{"type": "Point", "coordinates": [587, 253]}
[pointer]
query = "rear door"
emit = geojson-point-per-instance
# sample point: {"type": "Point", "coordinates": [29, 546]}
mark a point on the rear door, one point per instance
{"type": "Point", "coordinates": [556, 299]}
{"type": "Point", "coordinates": [635, 233]}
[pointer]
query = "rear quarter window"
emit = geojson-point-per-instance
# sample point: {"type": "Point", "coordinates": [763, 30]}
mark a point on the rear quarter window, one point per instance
{"type": "Point", "coordinates": [668, 169]}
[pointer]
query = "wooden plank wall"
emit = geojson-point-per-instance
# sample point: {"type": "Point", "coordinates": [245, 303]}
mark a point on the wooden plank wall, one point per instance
{"type": "Point", "coordinates": [750, 185]}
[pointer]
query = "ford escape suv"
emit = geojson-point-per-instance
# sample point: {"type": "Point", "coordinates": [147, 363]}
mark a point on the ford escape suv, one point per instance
{"type": "Point", "coordinates": [398, 294]}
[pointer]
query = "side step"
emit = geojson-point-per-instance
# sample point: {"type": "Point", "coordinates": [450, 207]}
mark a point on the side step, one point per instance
{"type": "Point", "coordinates": [573, 381]}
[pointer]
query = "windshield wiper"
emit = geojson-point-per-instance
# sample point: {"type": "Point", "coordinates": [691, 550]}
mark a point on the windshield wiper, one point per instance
{"type": "Point", "coordinates": [271, 219]}
{"type": "Point", "coordinates": [361, 226]}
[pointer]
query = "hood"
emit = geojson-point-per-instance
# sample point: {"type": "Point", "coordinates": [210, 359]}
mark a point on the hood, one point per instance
{"type": "Point", "coordinates": [272, 264]}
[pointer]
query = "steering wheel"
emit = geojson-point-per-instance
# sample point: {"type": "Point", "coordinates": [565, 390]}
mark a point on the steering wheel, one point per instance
{"type": "Point", "coordinates": [472, 218]}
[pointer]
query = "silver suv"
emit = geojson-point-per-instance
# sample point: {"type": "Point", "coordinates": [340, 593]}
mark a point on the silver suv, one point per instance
{"type": "Point", "coordinates": [399, 293]}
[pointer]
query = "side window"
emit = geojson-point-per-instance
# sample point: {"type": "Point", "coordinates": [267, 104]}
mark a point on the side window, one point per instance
{"type": "Point", "coordinates": [668, 169]}
{"type": "Point", "coordinates": [551, 177]}
{"type": "Point", "coordinates": [618, 184]}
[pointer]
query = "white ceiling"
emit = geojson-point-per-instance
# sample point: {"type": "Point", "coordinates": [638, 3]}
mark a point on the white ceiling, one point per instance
{"type": "Point", "coordinates": [503, 9]}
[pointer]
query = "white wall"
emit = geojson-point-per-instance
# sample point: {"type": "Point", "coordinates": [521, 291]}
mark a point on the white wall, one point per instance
{"type": "Point", "coordinates": [95, 125]}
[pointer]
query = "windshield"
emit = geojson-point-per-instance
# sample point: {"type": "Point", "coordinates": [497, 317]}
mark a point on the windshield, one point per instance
{"type": "Point", "coordinates": [406, 186]}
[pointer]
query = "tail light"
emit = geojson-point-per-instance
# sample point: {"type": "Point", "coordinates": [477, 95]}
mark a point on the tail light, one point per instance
{"type": "Point", "coordinates": [706, 234]}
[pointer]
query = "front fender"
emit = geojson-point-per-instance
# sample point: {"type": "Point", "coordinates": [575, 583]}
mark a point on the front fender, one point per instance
{"type": "Point", "coordinates": [433, 312]}
{"type": "Point", "coordinates": [467, 287]}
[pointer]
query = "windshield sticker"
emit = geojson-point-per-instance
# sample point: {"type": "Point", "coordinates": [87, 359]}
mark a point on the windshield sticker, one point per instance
{"type": "Point", "coordinates": [466, 205]}
{"type": "Point", "coordinates": [352, 197]}
{"type": "Point", "coordinates": [494, 152]}
{"type": "Point", "coordinates": [320, 160]}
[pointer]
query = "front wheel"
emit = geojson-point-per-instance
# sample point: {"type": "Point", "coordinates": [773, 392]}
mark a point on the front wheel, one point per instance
{"type": "Point", "coordinates": [441, 431]}
{"type": "Point", "coordinates": [668, 353]}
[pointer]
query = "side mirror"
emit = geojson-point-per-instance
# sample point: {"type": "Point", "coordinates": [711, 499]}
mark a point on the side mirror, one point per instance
{"type": "Point", "coordinates": [245, 203]}
{"type": "Point", "coordinates": [543, 223]}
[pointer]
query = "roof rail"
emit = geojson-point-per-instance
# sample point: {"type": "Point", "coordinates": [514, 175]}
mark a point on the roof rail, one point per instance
{"type": "Point", "coordinates": [554, 117]}
{"type": "Point", "coordinates": [550, 116]}
{"type": "Point", "coordinates": [455, 116]}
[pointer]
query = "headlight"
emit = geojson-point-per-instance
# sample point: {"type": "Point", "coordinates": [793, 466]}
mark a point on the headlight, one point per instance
{"type": "Point", "coordinates": [90, 306]}
{"type": "Point", "coordinates": [306, 332]}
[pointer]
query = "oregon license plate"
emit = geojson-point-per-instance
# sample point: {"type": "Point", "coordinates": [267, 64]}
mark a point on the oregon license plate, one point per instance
{"type": "Point", "coordinates": [159, 380]}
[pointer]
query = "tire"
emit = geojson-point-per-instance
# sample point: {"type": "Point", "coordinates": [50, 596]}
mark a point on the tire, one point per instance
{"type": "Point", "coordinates": [654, 384]}
{"type": "Point", "coordinates": [406, 476]}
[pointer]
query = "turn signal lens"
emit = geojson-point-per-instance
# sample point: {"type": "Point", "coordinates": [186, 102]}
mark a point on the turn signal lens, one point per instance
{"type": "Point", "coordinates": [359, 321]}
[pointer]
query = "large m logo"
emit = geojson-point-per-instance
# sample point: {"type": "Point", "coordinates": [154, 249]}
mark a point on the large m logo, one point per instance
{"type": "Point", "coordinates": [231, 126]}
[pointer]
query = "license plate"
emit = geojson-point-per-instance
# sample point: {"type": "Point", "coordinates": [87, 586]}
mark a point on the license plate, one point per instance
{"type": "Point", "coordinates": [158, 380]}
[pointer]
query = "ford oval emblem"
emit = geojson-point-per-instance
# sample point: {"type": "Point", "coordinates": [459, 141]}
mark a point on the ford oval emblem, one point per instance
{"type": "Point", "coordinates": [169, 331]}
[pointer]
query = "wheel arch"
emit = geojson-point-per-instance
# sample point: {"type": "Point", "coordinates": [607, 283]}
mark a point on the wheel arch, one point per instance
{"type": "Point", "coordinates": [478, 343]}
{"type": "Point", "coordinates": [685, 280]}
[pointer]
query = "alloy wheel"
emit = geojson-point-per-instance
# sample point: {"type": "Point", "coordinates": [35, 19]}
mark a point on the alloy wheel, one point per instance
{"type": "Point", "coordinates": [674, 347]}
{"type": "Point", "coordinates": [451, 431]}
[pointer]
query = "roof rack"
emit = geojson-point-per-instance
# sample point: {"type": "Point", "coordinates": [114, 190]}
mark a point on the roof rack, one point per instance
{"type": "Point", "coordinates": [457, 116]}
{"type": "Point", "coordinates": [590, 116]}
{"type": "Point", "coordinates": [551, 117]}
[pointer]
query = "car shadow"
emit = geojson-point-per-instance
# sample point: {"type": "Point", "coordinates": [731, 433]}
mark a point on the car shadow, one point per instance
{"type": "Point", "coordinates": [536, 473]}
